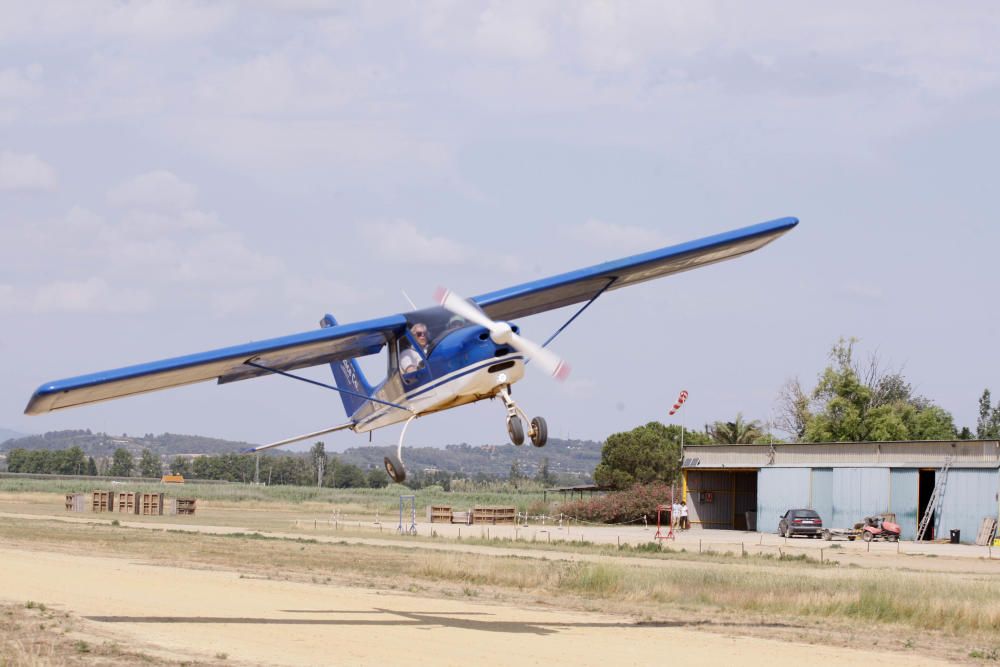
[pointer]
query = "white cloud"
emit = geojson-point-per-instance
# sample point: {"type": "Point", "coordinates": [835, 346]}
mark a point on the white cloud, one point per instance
{"type": "Point", "coordinates": [20, 83]}
{"type": "Point", "coordinates": [512, 30]}
{"type": "Point", "coordinates": [401, 241]}
{"type": "Point", "coordinates": [626, 238]}
{"type": "Point", "coordinates": [156, 190]}
{"type": "Point", "coordinates": [165, 20]}
{"type": "Point", "coordinates": [92, 295]}
{"type": "Point", "coordinates": [25, 172]}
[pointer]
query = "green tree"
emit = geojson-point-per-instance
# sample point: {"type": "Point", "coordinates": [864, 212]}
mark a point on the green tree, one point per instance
{"type": "Point", "coordinates": [180, 466]}
{"type": "Point", "coordinates": [149, 464]}
{"type": "Point", "coordinates": [645, 454]}
{"type": "Point", "coordinates": [319, 461]}
{"type": "Point", "coordinates": [988, 425]}
{"type": "Point", "coordinates": [377, 479]}
{"type": "Point", "coordinates": [854, 403]}
{"type": "Point", "coordinates": [91, 466]}
{"type": "Point", "coordinates": [122, 463]}
{"type": "Point", "coordinates": [738, 432]}
{"type": "Point", "coordinates": [545, 476]}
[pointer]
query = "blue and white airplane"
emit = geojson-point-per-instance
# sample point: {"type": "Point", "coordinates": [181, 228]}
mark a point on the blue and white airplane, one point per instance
{"type": "Point", "coordinates": [466, 350]}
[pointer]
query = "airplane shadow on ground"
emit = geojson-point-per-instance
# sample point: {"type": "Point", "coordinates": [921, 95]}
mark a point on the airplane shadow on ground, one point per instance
{"type": "Point", "coordinates": [456, 620]}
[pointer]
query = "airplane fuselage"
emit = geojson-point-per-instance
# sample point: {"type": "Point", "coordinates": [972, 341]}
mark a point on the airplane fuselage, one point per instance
{"type": "Point", "coordinates": [463, 367]}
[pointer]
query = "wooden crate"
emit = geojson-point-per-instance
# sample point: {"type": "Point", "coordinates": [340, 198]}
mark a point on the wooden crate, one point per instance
{"type": "Point", "coordinates": [152, 504]}
{"type": "Point", "coordinates": [438, 514]}
{"type": "Point", "coordinates": [76, 502]}
{"type": "Point", "coordinates": [494, 515]}
{"type": "Point", "coordinates": [127, 503]}
{"type": "Point", "coordinates": [185, 505]}
{"type": "Point", "coordinates": [461, 517]}
{"type": "Point", "coordinates": [103, 501]}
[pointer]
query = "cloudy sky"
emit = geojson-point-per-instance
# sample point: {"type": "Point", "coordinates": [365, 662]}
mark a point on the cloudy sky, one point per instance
{"type": "Point", "coordinates": [177, 176]}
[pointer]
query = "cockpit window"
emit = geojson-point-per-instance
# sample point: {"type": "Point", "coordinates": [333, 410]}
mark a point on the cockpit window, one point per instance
{"type": "Point", "coordinates": [439, 322]}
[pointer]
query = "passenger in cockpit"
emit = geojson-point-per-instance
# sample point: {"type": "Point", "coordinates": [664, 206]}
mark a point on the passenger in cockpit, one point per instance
{"type": "Point", "coordinates": [409, 359]}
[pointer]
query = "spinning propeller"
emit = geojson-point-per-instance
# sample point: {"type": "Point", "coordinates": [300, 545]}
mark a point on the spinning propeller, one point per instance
{"type": "Point", "coordinates": [502, 334]}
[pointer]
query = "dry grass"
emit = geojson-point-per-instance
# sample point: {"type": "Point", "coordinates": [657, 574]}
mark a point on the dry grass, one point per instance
{"type": "Point", "coordinates": [33, 635]}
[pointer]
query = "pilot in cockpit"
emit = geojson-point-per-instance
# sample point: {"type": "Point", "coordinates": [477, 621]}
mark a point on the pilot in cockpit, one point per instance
{"type": "Point", "coordinates": [409, 359]}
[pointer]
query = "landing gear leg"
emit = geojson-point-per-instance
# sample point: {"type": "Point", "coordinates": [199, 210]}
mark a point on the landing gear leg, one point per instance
{"type": "Point", "coordinates": [394, 464]}
{"type": "Point", "coordinates": [537, 428]}
{"type": "Point", "coordinates": [515, 428]}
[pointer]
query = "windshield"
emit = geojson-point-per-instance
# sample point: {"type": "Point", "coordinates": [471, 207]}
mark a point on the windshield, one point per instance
{"type": "Point", "coordinates": [438, 321]}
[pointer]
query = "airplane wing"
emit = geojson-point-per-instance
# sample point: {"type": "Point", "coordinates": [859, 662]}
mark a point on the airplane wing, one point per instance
{"type": "Point", "coordinates": [226, 364]}
{"type": "Point", "coordinates": [582, 285]}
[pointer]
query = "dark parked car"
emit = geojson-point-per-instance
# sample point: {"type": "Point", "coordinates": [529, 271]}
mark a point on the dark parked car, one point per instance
{"type": "Point", "coordinates": [800, 522]}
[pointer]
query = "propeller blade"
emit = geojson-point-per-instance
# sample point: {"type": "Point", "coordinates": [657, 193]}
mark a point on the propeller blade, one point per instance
{"type": "Point", "coordinates": [463, 308]}
{"type": "Point", "coordinates": [501, 333]}
{"type": "Point", "coordinates": [547, 359]}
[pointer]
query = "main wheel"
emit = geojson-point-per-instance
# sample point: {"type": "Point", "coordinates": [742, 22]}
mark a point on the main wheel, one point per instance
{"type": "Point", "coordinates": [866, 536]}
{"type": "Point", "coordinates": [515, 429]}
{"type": "Point", "coordinates": [539, 432]}
{"type": "Point", "coordinates": [394, 467]}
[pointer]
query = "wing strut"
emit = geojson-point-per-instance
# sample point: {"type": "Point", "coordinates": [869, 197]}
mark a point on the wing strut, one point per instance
{"type": "Point", "coordinates": [577, 313]}
{"type": "Point", "coordinates": [305, 436]}
{"type": "Point", "coordinates": [327, 386]}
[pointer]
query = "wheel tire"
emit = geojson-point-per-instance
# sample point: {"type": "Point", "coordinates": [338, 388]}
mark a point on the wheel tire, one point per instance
{"type": "Point", "coordinates": [788, 533]}
{"type": "Point", "coordinates": [866, 536]}
{"type": "Point", "coordinates": [539, 432]}
{"type": "Point", "coordinates": [394, 468]}
{"type": "Point", "coordinates": [515, 429]}
{"type": "Point", "coordinates": [827, 535]}
{"type": "Point", "coordinates": [893, 538]}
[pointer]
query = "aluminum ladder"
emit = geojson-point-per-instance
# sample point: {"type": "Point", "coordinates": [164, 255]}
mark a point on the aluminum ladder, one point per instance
{"type": "Point", "coordinates": [939, 483]}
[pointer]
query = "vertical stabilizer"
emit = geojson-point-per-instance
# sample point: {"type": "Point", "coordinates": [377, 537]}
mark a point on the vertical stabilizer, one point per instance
{"type": "Point", "coordinates": [348, 376]}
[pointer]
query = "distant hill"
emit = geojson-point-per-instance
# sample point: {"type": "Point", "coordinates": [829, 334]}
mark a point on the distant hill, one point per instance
{"type": "Point", "coordinates": [566, 457]}
{"type": "Point", "coordinates": [103, 444]}
{"type": "Point", "coordinates": [7, 434]}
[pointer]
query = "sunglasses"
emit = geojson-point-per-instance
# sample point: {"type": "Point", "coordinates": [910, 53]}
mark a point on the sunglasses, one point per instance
{"type": "Point", "coordinates": [419, 333]}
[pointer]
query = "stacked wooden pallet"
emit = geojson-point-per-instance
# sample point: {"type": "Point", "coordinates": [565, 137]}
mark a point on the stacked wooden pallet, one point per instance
{"type": "Point", "coordinates": [438, 514]}
{"type": "Point", "coordinates": [76, 502]}
{"type": "Point", "coordinates": [152, 504]}
{"type": "Point", "coordinates": [494, 515]}
{"type": "Point", "coordinates": [127, 503]}
{"type": "Point", "coordinates": [103, 501]}
{"type": "Point", "coordinates": [185, 505]}
{"type": "Point", "coordinates": [461, 517]}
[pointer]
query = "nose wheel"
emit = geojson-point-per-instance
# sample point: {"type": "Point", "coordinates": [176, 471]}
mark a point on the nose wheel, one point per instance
{"type": "Point", "coordinates": [538, 430]}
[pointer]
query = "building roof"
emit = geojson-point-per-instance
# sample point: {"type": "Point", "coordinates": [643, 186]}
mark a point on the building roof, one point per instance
{"type": "Point", "coordinates": [908, 454]}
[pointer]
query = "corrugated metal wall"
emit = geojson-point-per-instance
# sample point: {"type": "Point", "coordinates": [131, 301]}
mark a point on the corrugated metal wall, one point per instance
{"type": "Point", "coordinates": [857, 493]}
{"type": "Point", "coordinates": [779, 489]}
{"type": "Point", "coordinates": [970, 495]}
{"type": "Point", "coordinates": [822, 493]}
{"type": "Point", "coordinates": [903, 500]}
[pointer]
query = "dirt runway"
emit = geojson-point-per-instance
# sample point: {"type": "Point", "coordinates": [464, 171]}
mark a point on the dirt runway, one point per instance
{"type": "Point", "coordinates": [210, 615]}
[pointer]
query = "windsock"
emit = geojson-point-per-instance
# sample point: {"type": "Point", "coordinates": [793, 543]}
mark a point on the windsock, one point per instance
{"type": "Point", "coordinates": [680, 401]}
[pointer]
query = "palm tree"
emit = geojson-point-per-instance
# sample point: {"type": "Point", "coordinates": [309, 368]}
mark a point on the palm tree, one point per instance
{"type": "Point", "coordinates": [739, 432]}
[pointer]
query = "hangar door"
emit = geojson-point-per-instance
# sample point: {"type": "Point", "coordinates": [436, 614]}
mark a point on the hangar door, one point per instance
{"type": "Point", "coordinates": [721, 498]}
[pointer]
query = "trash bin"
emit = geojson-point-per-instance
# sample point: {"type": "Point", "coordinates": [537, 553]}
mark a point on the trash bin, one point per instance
{"type": "Point", "coordinates": [955, 536]}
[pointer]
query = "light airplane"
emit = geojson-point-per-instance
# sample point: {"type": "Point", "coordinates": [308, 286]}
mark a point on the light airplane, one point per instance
{"type": "Point", "coordinates": [470, 351]}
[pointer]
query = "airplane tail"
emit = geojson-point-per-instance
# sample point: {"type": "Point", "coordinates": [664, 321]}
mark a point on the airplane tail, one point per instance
{"type": "Point", "coordinates": [348, 376]}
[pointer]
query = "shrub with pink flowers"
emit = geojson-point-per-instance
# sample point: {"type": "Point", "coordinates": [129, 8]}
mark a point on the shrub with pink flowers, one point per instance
{"type": "Point", "coordinates": [627, 506]}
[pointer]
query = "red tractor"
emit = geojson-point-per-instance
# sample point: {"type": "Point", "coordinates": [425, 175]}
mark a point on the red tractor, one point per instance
{"type": "Point", "coordinates": [879, 528]}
